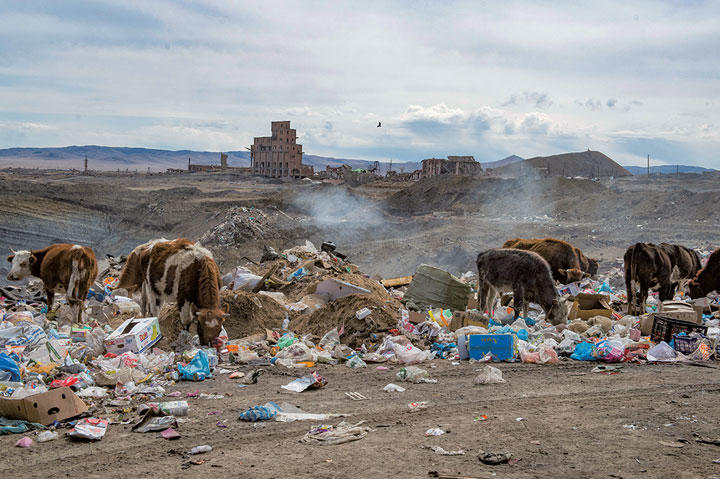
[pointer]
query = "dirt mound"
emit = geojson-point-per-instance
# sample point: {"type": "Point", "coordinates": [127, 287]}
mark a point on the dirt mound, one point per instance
{"type": "Point", "coordinates": [340, 314]}
{"type": "Point", "coordinates": [241, 224]}
{"type": "Point", "coordinates": [588, 164]}
{"type": "Point", "coordinates": [250, 313]}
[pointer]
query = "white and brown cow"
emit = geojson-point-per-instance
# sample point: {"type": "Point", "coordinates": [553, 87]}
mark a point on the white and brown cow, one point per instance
{"type": "Point", "coordinates": [63, 268]}
{"type": "Point", "coordinates": [181, 271]}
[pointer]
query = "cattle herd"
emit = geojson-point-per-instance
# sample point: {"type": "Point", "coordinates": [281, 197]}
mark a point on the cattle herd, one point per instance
{"type": "Point", "coordinates": [184, 272]}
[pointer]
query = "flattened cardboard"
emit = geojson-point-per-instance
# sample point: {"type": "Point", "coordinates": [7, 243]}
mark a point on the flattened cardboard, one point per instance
{"type": "Point", "coordinates": [681, 311]}
{"type": "Point", "coordinates": [588, 306]}
{"type": "Point", "coordinates": [335, 289]}
{"type": "Point", "coordinates": [55, 405]}
{"type": "Point", "coordinates": [461, 319]}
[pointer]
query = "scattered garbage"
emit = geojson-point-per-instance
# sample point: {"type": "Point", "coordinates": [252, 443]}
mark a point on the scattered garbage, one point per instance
{"type": "Point", "coordinates": [299, 385]}
{"type": "Point", "coordinates": [24, 442]}
{"type": "Point", "coordinates": [260, 413]}
{"type": "Point", "coordinates": [201, 449]}
{"type": "Point", "coordinates": [489, 375]}
{"type": "Point", "coordinates": [414, 374]}
{"type": "Point", "coordinates": [393, 388]}
{"type": "Point", "coordinates": [92, 429]}
{"type": "Point", "coordinates": [442, 452]}
{"type": "Point", "coordinates": [434, 431]}
{"type": "Point", "coordinates": [325, 435]}
{"type": "Point", "coordinates": [417, 406]}
{"type": "Point", "coordinates": [494, 458]}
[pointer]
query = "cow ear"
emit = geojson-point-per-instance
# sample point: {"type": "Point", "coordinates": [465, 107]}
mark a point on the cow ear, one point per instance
{"type": "Point", "coordinates": [32, 259]}
{"type": "Point", "coordinates": [11, 258]}
{"type": "Point", "coordinates": [562, 271]}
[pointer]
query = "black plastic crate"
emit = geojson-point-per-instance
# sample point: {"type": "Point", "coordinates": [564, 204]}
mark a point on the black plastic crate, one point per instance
{"type": "Point", "coordinates": [686, 344]}
{"type": "Point", "coordinates": [664, 328]}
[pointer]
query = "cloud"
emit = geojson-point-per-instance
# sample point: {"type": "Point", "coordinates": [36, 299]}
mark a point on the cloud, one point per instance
{"type": "Point", "coordinates": [533, 98]}
{"type": "Point", "coordinates": [611, 102]}
{"type": "Point", "coordinates": [630, 105]}
{"type": "Point", "coordinates": [590, 104]}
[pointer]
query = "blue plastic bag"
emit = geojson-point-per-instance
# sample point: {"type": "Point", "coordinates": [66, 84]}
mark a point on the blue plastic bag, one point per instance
{"type": "Point", "coordinates": [605, 288]}
{"type": "Point", "coordinates": [583, 352]}
{"type": "Point", "coordinates": [8, 364]}
{"type": "Point", "coordinates": [196, 370]}
{"type": "Point", "coordinates": [260, 413]}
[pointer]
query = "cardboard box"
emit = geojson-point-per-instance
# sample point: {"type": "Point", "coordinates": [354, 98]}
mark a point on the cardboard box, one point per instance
{"type": "Point", "coordinates": [45, 408]}
{"type": "Point", "coordinates": [681, 311]}
{"type": "Point", "coordinates": [587, 306]}
{"type": "Point", "coordinates": [461, 319]}
{"type": "Point", "coordinates": [136, 335]}
{"type": "Point", "coordinates": [416, 318]}
{"type": "Point", "coordinates": [500, 345]}
{"type": "Point", "coordinates": [395, 282]}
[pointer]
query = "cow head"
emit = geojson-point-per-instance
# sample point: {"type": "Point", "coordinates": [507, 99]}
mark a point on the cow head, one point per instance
{"type": "Point", "coordinates": [21, 261]}
{"type": "Point", "coordinates": [694, 289]}
{"type": "Point", "coordinates": [558, 312]}
{"type": "Point", "coordinates": [210, 322]}
{"type": "Point", "coordinates": [572, 275]}
{"type": "Point", "coordinates": [592, 266]}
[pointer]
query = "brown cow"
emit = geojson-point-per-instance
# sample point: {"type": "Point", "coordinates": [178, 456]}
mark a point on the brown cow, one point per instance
{"type": "Point", "coordinates": [181, 271]}
{"type": "Point", "coordinates": [685, 262]}
{"type": "Point", "coordinates": [647, 267]}
{"type": "Point", "coordinates": [63, 268]}
{"type": "Point", "coordinates": [564, 259]}
{"type": "Point", "coordinates": [527, 274]}
{"type": "Point", "coordinates": [707, 279]}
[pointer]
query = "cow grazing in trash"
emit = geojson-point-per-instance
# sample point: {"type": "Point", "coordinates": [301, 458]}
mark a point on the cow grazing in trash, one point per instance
{"type": "Point", "coordinates": [567, 263]}
{"type": "Point", "coordinates": [63, 268]}
{"type": "Point", "coordinates": [651, 267]}
{"type": "Point", "coordinates": [526, 274]}
{"type": "Point", "coordinates": [181, 271]}
{"type": "Point", "coordinates": [707, 279]}
{"type": "Point", "coordinates": [647, 267]}
{"type": "Point", "coordinates": [685, 263]}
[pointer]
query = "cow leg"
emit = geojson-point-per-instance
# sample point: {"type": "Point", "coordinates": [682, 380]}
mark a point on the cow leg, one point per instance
{"type": "Point", "coordinates": [631, 297]}
{"type": "Point", "coordinates": [518, 300]}
{"type": "Point", "coordinates": [642, 299]}
{"type": "Point", "coordinates": [483, 291]}
{"type": "Point", "coordinates": [50, 298]}
{"type": "Point", "coordinates": [667, 291]}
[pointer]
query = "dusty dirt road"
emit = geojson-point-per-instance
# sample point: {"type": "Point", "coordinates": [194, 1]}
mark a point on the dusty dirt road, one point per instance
{"type": "Point", "coordinates": [575, 424]}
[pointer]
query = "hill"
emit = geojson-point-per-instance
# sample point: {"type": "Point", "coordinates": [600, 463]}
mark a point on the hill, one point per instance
{"type": "Point", "coordinates": [667, 169]}
{"type": "Point", "coordinates": [500, 163]}
{"type": "Point", "coordinates": [587, 164]}
{"type": "Point", "coordinates": [111, 158]}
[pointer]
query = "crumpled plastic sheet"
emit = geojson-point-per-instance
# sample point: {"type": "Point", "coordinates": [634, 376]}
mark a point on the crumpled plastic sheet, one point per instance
{"type": "Point", "coordinates": [326, 435]}
{"type": "Point", "coordinates": [17, 426]}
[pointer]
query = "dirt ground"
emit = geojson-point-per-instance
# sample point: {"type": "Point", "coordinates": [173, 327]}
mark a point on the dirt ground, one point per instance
{"type": "Point", "coordinates": [575, 424]}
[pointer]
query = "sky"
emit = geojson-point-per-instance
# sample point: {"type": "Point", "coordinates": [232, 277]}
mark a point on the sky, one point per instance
{"type": "Point", "coordinates": [488, 79]}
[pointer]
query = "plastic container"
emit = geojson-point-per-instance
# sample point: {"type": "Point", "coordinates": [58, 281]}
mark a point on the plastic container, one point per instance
{"type": "Point", "coordinates": [665, 327]}
{"type": "Point", "coordinates": [201, 449]}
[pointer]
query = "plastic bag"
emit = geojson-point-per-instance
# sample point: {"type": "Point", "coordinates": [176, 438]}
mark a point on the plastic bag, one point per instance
{"type": "Point", "coordinates": [610, 351]}
{"type": "Point", "coordinates": [90, 428]}
{"type": "Point", "coordinates": [355, 362]}
{"type": "Point", "coordinates": [8, 364]}
{"type": "Point", "coordinates": [244, 279]}
{"type": "Point", "coordinates": [301, 384]}
{"type": "Point", "coordinates": [330, 339]}
{"type": "Point", "coordinates": [544, 355]}
{"type": "Point", "coordinates": [196, 370]}
{"type": "Point", "coordinates": [583, 352]}
{"type": "Point", "coordinates": [489, 375]}
{"type": "Point", "coordinates": [413, 374]}
{"type": "Point", "coordinates": [296, 352]}
{"type": "Point", "coordinates": [393, 388]}
{"type": "Point", "coordinates": [409, 354]}
{"type": "Point", "coordinates": [662, 352]}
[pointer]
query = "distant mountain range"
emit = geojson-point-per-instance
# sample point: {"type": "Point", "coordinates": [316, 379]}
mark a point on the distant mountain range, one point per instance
{"type": "Point", "coordinates": [667, 169]}
{"type": "Point", "coordinates": [111, 158]}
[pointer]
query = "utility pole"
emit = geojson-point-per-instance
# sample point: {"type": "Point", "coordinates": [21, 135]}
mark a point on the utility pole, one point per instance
{"type": "Point", "coordinates": [648, 168]}
{"type": "Point", "coordinates": [86, 170]}
{"type": "Point", "coordinates": [677, 171]}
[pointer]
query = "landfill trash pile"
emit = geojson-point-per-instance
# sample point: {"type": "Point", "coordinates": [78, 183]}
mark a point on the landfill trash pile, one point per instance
{"type": "Point", "coordinates": [241, 223]}
{"type": "Point", "coordinates": [300, 308]}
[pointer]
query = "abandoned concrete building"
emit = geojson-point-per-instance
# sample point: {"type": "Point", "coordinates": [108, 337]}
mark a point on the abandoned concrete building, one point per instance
{"type": "Point", "coordinates": [454, 165]}
{"type": "Point", "coordinates": [279, 155]}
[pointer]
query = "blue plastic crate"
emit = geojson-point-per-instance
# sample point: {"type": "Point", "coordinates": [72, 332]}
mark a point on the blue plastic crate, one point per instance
{"type": "Point", "coordinates": [500, 345]}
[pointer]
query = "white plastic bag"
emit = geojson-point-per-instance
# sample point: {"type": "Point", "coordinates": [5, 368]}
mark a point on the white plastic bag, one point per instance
{"type": "Point", "coordinates": [489, 375]}
{"type": "Point", "coordinates": [409, 354]}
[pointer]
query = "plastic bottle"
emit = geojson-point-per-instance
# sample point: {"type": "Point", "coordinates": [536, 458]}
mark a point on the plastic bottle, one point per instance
{"type": "Point", "coordinates": [286, 322]}
{"type": "Point", "coordinates": [174, 408]}
{"type": "Point", "coordinates": [200, 449]}
{"type": "Point", "coordinates": [45, 436]}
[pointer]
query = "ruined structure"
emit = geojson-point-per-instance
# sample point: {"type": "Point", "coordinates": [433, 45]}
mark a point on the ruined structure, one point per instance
{"type": "Point", "coordinates": [454, 165]}
{"type": "Point", "coordinates": [279, 155]}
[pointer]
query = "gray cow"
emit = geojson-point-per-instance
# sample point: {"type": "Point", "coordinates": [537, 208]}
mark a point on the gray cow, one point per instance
{"type": "Point", "coordinates": [524, 273]}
